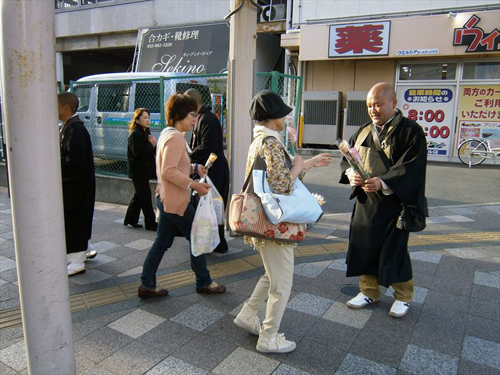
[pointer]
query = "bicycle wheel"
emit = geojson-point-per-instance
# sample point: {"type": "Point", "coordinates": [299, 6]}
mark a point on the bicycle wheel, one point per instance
{"type": "Point", "coordinates": [472, 152]}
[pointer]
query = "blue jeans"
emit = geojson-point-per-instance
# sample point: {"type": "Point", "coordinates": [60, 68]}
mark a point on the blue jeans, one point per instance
{"type": "Point", "coordinates": [164, 239]}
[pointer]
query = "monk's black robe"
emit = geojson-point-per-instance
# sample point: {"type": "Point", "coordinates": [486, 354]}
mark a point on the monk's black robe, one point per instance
{"type": "Point", "coordinates": [376, 246]}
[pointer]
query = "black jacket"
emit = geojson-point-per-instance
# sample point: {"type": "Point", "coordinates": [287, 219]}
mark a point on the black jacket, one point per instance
{"type": "Point", "coordinates": [140, 155]}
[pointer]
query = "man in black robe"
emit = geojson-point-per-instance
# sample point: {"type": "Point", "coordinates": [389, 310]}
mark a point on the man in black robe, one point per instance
{"type": "Point", "coordinates": [78, 180]}
{"type": "Point", "coordinates": [207, 139]}
{"type": "Point", "coordinates": [378, 249]}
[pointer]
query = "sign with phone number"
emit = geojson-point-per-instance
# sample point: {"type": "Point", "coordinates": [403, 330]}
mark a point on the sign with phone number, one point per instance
{"type": "Point", "coordinates": [432, 108]}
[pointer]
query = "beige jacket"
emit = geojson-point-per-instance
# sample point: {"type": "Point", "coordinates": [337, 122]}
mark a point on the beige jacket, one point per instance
{"type": "Point", "coordinates": [173, 168]}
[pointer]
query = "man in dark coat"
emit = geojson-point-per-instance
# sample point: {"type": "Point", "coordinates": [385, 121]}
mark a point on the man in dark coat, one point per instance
{"type": "Point", "coordinates": [78, 180]}
{"type": "Point", "coordinates": [207, 138]}
{"type": "Point", "coordinates": [378, 249]}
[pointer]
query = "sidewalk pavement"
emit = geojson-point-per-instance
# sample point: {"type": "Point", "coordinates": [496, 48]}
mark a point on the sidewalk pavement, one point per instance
{"type": "Point", "coordinates": [453, 325]}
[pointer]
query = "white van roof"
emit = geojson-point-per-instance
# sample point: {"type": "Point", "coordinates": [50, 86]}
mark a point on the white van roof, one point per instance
{"type": "Point", "coordinates": [129, 76]}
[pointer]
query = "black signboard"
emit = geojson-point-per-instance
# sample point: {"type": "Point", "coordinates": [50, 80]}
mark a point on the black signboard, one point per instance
{"type": "Point", "coordinates": [198, 49]}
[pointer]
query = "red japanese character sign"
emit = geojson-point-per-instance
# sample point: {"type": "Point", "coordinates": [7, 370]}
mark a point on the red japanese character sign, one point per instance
{"type": "Point", "coordinates": [475, 38]}
{"type": "Point", "coordinates": [359, 39]}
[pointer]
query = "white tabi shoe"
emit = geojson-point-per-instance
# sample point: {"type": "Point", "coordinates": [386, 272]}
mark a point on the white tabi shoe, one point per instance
{"type": "Point", "coordinates": [274, 343]}
{"type": "Point", "coordinates": [248, 322]}
{"type": "Point", "coordinates": [91, 254]}
{"type": "Point", "coordinates": [360, 301]}
{"type": "Point", "coordinates": [76, 268]}
{"type": "Point", "coordinates": [399, 309]}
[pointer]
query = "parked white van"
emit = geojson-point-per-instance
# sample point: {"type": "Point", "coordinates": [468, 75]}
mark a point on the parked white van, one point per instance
{"type": "Point", "coordinates": [108, 102]}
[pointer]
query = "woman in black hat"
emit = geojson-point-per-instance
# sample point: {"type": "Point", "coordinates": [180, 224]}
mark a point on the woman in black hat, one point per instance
{"type": "Point", "coordinates": [269, 112]}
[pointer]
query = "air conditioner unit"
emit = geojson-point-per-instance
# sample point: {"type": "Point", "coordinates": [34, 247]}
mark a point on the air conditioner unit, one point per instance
{"type": "Point", "coordinates": [321, 117]}
{"type": "Point", "coordinates": [356, 113]}
{"type": "Point", "coordinates": [273, 13]}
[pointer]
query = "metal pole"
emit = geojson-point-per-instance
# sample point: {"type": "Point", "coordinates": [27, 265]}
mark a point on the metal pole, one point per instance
{"type": "Point", "coordinates": [29, 96]}
{"type": "Point", "coordinates": [241, 78]}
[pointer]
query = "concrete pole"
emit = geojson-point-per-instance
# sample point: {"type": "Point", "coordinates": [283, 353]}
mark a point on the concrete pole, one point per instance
{"type": "Point", "coordinates": [30, 103]}
{"type": "Point", "coordinates": [242, 52]}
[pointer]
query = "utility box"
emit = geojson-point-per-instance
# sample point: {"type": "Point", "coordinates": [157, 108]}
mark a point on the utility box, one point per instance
{"type": "Point", "coordinates": [321, 117]}
{"type": "Point", "coordinates": [356, 113]}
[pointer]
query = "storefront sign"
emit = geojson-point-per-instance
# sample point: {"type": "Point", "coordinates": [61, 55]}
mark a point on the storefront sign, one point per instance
{"type": "Point", "coordinates": [359, 39]}
{"type": "Point", "coordinates": [200, 49]}
{"type": "Point", "coordinates": [475, 38]}
{"type": "Point", "coordinates": [432, 107]}
{"type": "Point", "coordinates": [479, 113]}
{"type": "Point", "coordinates": [411, 52]}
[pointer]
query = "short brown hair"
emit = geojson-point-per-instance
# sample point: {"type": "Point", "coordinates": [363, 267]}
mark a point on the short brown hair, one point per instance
{"type": "Point", "coordinates": [178, 107]}
{"type": "Point", "coordinates": [68, 98]}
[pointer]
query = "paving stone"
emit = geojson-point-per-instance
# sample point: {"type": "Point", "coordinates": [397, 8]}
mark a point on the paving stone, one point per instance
{"type": "Point", "coordinates": [483, 328]}
{"type": "Point", "coordinates": [379, 346]}
{"type": "Point", "coordinates": [197, 317]}
{"type": "Point", "coordinates": [225, 329]}
{"type": "Point", "coordinates": [495, 209]}
{"type": "Point", "coordinates": [418, 360]}
{"type": "Point", "coordinates": [135, 358]}
{"type": "Point", "coordinates": [83, 328]}
{"type": "Point", "coordinates": [245, 362]}
{"type": "Point", "coordinates": [340, 313]}
{"type": "Point", "coordinates": [99, 260]}
{"type": "Point", "coordinates": [458, 218]}
{"type": "Point", "coordinates": [136, 323]}
{"type": "Point", "coordinates": [172, 365]}
{"type": "Point", "coordinates": [485, 293]}
{"type": "Point", "coordinates": [353, 365]}
{"type": "Point", "coordinates": [487, 279]}
{"type": "Point", "coordinates": [310, 304]}
{"type": "Point", "coordinates": [289, 370]}
{"type": "Point", "coordinates": [426, 256]}
{"type": "Point", "coordinates": [446, 302]}
{"type": "Point", "coordinates": [8, 292]}
{"type": "Point", "coordinates": [223, 302]}
{"type": "Point", "coordinates": [484, 309]}
{"type": "Point", "coordinates": [470, 368]}
{"type": "Point", "coordinates": [481, 351]}
{"type": "Point", "coordinates": [3, 282]}
{"type": "Point", "coordinates": [134, 271]}
{"type": "Point", "coordinates": [314, 358]}
{"type": "Point", "coordinates": [311, 270]}
{"type": "Point", "coordinates": [14, 356]}
{"type": "Point", "coordinates": [204, 351]}
{"type": "Point", "coordinates": [90, 277]}
{"type": "Point", "coordinates": [339, 264]}
{"type": "Point", "coordinates": [332, 334]}
{"type": "Point", "coordinates": [6, 264]}
{"type": "Point", "coordinates": [462, 211]}
{"type": "Point", "coordinates": [6, 370]}
{"type": "Point", "coordinates": [168, 337]}
{"type": "Point", "coordinates": [141, 244]}
{"type": "Point", "coordinates": [101, 343]}
{"type": "Point", "coordinates": [295, 325]}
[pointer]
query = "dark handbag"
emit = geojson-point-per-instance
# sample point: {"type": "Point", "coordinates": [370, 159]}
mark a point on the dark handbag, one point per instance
{"type": "Point", "coordinates": [411, 219]}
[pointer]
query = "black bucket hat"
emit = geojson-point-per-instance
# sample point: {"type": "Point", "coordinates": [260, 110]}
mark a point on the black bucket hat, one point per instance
{"type": "Point", "coordinates": [267, 105]}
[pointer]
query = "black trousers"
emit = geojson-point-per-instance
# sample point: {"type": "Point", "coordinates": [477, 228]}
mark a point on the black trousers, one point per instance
{"type": "Point", "coordinates": [141, 201]}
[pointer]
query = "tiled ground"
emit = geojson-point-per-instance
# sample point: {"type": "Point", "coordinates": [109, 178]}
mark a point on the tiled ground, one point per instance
{"type": "Point", "coordinates": [453, 326]}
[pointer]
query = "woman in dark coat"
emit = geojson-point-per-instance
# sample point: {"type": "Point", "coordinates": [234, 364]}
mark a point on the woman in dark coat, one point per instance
{"type": "Point", "coordinates": [141, 168]}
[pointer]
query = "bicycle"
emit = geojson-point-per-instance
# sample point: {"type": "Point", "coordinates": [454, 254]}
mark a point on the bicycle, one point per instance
{"type": "Point", "coordinates": [474, 151]}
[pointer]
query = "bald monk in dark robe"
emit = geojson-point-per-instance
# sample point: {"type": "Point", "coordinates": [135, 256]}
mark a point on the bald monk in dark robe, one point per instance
{"type": "Point", "coordinates": [378, 249]}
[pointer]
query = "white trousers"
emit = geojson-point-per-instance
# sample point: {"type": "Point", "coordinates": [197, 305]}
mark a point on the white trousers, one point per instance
{"type": "Point", "coordinates": [275, 285]}
{"type": "Point", "coordinates": [78, 257]}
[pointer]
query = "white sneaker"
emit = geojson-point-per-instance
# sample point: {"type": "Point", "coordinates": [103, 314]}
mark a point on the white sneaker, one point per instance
{"type": "Point", "coordinates": [76, 268]}
{"type": "Point", "coordinates": [399, 309]}
{"type": "Point", "coordinates": [360, 301]}
{"type": "Point", "coordinates": [275, 343]}
{"type": "Point", "coordinates": [248, 322]}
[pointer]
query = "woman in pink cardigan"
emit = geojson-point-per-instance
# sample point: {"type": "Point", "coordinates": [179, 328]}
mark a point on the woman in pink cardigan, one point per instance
{"type": "Point", "coordinates": [173, 168]}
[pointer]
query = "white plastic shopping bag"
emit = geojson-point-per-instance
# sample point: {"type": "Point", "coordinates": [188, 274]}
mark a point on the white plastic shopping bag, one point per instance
{"type": "Point", "coordinates": [204, 231]}
{"type": "Point", "coordinates": [217, 200]}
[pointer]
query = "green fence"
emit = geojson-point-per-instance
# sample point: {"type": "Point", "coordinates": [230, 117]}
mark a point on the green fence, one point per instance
{"type": "Point", "coordinates": [106, 107]}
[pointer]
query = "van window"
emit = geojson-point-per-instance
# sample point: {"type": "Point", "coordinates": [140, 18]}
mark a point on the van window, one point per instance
{"type": "Point", "coordinates": [182, 87]}
{"type": "Point", "coordinates": [147, 95]}
{"type": "Point", "coordinates": [83, 94]}
{"type": "Point", "coordinates": [113, 97]}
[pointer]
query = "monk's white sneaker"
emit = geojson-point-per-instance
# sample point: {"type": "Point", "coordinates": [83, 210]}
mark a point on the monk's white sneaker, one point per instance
{"type": "Point", "coordinates": [399, 309]}
{"type": "Point", "coordinates": [360, 301]}
{"type": "Point", "coordinates": [274, 343]}
{"type": "Point", "coordinates": [249, 322]}
{"type": "Point", "coordinates": [76, 268]}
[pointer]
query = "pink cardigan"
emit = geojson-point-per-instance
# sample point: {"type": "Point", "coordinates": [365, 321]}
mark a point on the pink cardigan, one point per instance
{"type": "Point", "coordinates": [173, 167]}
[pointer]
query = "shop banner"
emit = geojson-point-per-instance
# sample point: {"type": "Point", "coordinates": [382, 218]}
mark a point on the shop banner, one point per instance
{"type": "Point", "coordinates": [359, 39]}
{"type": "Point", "coordinates": [199, 49]}
{"type": "Point", "coordinates": [432, 107]}
{"type": "Point", "coordinates": [479, 113]}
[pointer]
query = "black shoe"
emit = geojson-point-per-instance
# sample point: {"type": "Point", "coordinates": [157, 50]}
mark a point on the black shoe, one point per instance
{"type": "Point", "coordinates": [132, 225]}
{"type": "Point", "coordinates": [221, 248]}
{"type": "Point", "coordinates": [158, 292]}
{"type": "Point", "coordinates": [153, 228]}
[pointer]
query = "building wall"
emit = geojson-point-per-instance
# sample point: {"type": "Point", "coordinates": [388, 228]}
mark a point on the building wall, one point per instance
{"type": "Point", "coordinates": [311, 10]}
